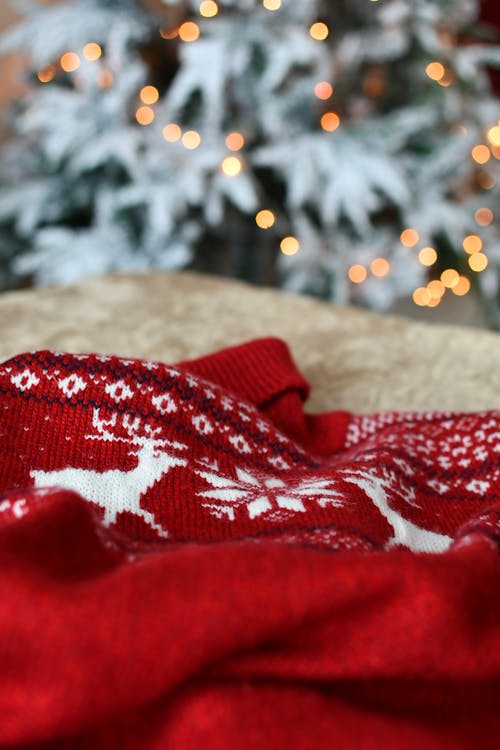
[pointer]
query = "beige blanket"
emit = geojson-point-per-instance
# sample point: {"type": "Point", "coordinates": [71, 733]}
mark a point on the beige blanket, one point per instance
{"type": "Point", "coordinates": [354, 359]}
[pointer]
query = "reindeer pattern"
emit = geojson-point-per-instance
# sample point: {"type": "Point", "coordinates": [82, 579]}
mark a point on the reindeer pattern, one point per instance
{"type": "Point", "coordinates": [114, 490]}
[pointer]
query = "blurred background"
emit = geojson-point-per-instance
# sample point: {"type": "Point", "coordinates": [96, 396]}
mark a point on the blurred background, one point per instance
{"type": "Point", "coordinates": [347, 149]}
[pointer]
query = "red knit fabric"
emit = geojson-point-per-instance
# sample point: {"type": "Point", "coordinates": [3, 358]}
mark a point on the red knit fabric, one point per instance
{"type": "Point", "coordinates": [188, 560]}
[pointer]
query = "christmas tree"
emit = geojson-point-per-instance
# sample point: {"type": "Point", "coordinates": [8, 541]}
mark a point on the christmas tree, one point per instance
{"type": "Point", "coordinates": [347, 149]}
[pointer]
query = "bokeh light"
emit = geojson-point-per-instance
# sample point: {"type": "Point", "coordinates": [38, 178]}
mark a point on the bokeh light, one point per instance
{"type": "Point", "coordinates": [92, 51]}
{"type": "Point", "coordinates": [472, 244]}
{"type": "Point", "coordinates": [380, 267]}
{"type": "Point", "coordinates": [427, 256]}
{"type": "Point", "coordinates": [235, 141]}
{"type": "Point", "coordinates": [478, 262]}
{"type": "Point", "coordinates": [289, 245]}
{"type": "Point", "coordinates": [172, 132]}
{"type": "Point", "coordinates": [484, 216]}
{"type": "Point", "coordinates": [435, 71]}
{"type": "Point", "coordinates": [265, 219]}
{"type": "Point", "coordinates": [189, 31]}
{"type": "Point", "coordinates": [323, 90]}
{"type": "Point", "coordinates": [319, 31]}
{"type": "Point", "coordinates": [149, 94]}
{"type": "Point", "coordinates": [231, 166]}
{"type": "Point", "coordinates": [357, 273]}
{"type": "Point", "coordinates": [208, 8]}
{"type": "Point", "coordinates": [191, 139]}
{"type": "Point", "coordinates": [330, 121]}
{"type": "Point", "coordinates": [481, 153]}
{"type": "Point", "coordinates": [144, 115]}
{"type": "Point", "coordinates": [409, 237]}
{"type": "Point", "coordinates": [69, 62]}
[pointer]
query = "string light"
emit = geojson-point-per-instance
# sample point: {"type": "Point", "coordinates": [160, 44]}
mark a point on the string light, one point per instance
{"type": "Point", "coordinates": [144, 115]}
{"type": "Point", "coordinates": [434, 301]}
{"type": "Point", "coordinates": [435, 71]}
{"type": "Point", "coordinates": [478, 262]}
{"type": "Point", "coordinates": [436, 289]}
{"type": "Point", "coordinates": [447, 79]}
{"type": "Point", "coordinates": [323, 90]}
{"type": "Point", "coordinates": [289, 245]}
{"type": "Point", "coordinates": [70, 62]}
{"type": "Point", "coordinates": [495, 150]}
{"type": "Point", "coordinates": [189, 31]}
{"type": "Point", "coordinates": [357, 273]}
{"type": "Point", "coordinates": [493, 135]}
{"type": "Point", "coordinates": [169, 33]}
{"type": "Point", "coordinates": [427, 256]}
{"type": "Point", "coordinates": [450, 278]}
{"type": "Point", "coordinates": [319, 31]}
{"type": "Point", "coordinates": [379, 267]}
{"type": "Point", "coordinates": [461, 287]}
{"type": "Point", "coordinates": [231, 166]}
{"type": "Point", "coordinates": [265, 219]}
{"type": "Point", "coordinates": [472, 244]}
{"type": "Point", "coordinates": [191, 139]}
{"type": "Point", "coordinates": [484, 216]}
{"type": "Point", "coordinates": [409, 237]}
{"type": "Point", "coordinates": [104, 79]}
{"type": "Point", "coordinates": [481, 153]}
{"type": "Point", "coordinates": [421, 296]}
{"type": "Point", "coordinates": [330, 121]}
{"type": "Point", "coordinates": [208, 9]}
{"type": "Point", "coordinates": [46, 74]}
{"type": "Point", "coordinates": [235, 141]}
{"type": "Point", "coordinates": [486, 180]}
{"type": "Point", "coordinates": [92, 51]}
{"type": "Point", "coordinates": [271, 4]}
{"type": "Point", "coordinates": [149, 94]}
{"type": "Point", "coordinates": [171, 132]}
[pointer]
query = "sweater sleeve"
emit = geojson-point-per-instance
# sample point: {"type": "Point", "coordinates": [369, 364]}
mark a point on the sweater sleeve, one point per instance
{"type": "Point", "coordinates": [263, 372]}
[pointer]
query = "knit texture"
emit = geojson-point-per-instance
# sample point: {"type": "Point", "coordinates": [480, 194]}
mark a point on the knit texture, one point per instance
{"type": "Point", "coordinates": [189, 559]}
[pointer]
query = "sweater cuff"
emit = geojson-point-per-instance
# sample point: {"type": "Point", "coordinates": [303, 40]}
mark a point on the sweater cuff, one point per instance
{"type": "Point", "coordinates": [257, 371]}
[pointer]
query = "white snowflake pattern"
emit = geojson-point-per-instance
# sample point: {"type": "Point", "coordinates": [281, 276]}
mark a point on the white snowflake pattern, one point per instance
{"type": "Point", "coordinates": [164, 403]}
{"type": "Point", "coordinates": [227, 403]}
{"type": "Point", "coordinates": [118, 391]}
{"type": "Point", "coordinates": [478, 486]}
{"type": "Point", "coordinates": [278, 462]}
{"type": "Point", "coordinates": [262, 426]}
{"type": "Point", "coordinates": [25, 380]}
{"type": "Point", "coordinates": [202, 424]}
{"type": "Point", "coordinates": [240, 443]}
{"type": "Point", "coordinates": [263, 495]}
{"type": "Point", "coordinates": [71, 385]}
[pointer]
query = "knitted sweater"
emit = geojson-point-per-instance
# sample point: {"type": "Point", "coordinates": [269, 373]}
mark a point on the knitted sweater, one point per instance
{"type": "Point", "coordinates": [188, 559]}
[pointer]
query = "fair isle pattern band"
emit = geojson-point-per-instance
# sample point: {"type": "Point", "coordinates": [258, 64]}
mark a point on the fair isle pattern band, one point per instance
{"type": "Point", "coordinates": [164, 454]}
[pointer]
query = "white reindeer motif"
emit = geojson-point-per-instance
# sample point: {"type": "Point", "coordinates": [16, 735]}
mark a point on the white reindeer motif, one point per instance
{"type": "Point", "coordinates": [405, 532]}
{"type": "Point", "coordinates": [114, 490]}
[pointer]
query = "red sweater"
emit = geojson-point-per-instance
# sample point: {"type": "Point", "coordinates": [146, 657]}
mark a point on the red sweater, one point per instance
{"type": "Point", "coordinates": [187, 560]}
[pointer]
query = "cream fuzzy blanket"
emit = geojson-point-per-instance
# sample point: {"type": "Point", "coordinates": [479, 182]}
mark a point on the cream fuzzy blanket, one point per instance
{"type": "Point", "coordinates": [354, 360]}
